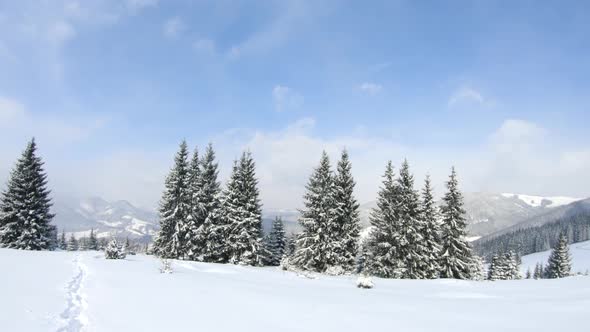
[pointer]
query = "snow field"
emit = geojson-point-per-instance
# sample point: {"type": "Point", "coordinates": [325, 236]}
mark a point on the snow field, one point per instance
{"type": "Point", "coordinates": [64, 291]}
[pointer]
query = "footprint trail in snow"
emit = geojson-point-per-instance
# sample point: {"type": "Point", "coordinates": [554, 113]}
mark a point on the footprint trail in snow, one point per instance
{"type": "Point", "coordinates": [74, 316]}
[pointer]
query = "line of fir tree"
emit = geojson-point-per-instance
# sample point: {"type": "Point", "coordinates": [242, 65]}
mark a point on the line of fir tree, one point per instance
{"type": "Point", "coordinates": [199, 221]}
{"type": "Point", "coordinates": [407, 240]}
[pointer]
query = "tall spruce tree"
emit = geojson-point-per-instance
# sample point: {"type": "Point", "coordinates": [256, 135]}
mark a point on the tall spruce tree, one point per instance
{"type": "Point", "coordinates": [243, 212]}
{"type": "Point", "coordinates": [410, 244]}
{"type": "Point", "coordinates": [211, 234]}
{"type": "Point", "coordinates": [346, 216]}
{"type": "Point", "coordinates": [381, 257]}
{"type": "Point", "coordinates": [315, 243]}
{"type": "Point", "coordinates": [456, 257]}
{"type": "Point", "coordinates": [174, 208]}
{"type": "Point", "coordinates": [25, 217]}
{"type": "Point", "coordinates": [430, 232]}
{"type": "Point", "coordinates": [192, 246]}
{"type": "Point", "coordinates": [277, 242]}
{"type": "Point", "coordinates": [559, 264]}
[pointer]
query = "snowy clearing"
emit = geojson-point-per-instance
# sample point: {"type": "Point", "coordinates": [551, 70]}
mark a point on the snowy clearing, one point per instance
{"type": "Point", "coordinates": [82, 291]}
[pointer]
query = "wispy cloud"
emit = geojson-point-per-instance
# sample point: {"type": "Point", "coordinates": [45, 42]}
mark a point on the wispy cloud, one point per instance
{"type": "Point", "coordinates": [290, 16]}
{"type": "Point", "coordinates": [204, 45]}
{"type": "Point", "coordinates": [174, 27]}
{"type": "Point", "coordinates": [370, 88]}
{"type": "Point", "coordinates": [465, 95]}
{"type": "Point", "coordinates": [285, 98]}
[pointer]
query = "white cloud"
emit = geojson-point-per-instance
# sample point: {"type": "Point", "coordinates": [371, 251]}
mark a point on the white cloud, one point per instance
{"type": "Point", "coordinates": [370, 88]}
{"type": "Point", "coordinates": [522, 156]}
{"type": "Point", "coordinates": [18, 122]}
{"type": "Point", "coordinates": [519, 156]}
{"type": "Point", "coordinates": [465, 95]}
{"type": "Point", "coordinates": [10, 111]}
{"type": "Point", "coordinates": [285, 98]}
{"type": "Point", "coordinates": [174, 27]}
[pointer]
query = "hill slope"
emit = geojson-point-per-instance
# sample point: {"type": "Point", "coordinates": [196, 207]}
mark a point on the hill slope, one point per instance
{"type": "Point", "coordinates": [488, 213]}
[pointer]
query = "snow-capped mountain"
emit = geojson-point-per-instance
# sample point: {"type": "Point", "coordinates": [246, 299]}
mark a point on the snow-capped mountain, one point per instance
{"type": "Point", "coordinates": [490, 212]}
{"type": "Point", "coordinates": [119, 218]}
{"type": "Point", "coordinates": [487, 213]}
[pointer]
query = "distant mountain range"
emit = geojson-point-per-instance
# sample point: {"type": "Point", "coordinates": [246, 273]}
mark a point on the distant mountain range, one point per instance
{"type": "Point", "coordinates": [487, 213]}
{"type": "Point", "coordinates": [119, 218]}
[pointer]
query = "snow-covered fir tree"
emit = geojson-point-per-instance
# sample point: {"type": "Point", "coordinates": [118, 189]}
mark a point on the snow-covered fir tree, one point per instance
{"type": "Point", "coordinates": [210, 236]}
{"type": "Point", "coordinates": [430, 232]}
{"type": "Point", "coordinates": [346, 216]}
{"type": "Point", "coordinates": [538, 272]}
{"type": "Point", "coordinates": [25, 217]}
{"type": "Point", "coordinates": [559, 264]}
{"type": "Point", "coordinates": [63, 243]}
{"type": "Point", "coordinates": [410, 245]}
{"type": "Point", "coordinates": [528, 274]}
{"type": "Point", "coordinates": [381, 258]}
{"type": "Point", "coordinates": [456, 257]}
{"type": "Point", "coordinates": [192, 247]}
{"type": "Point", "coordinates": [92, 241]}
{"type": "Point", "coordinates": [83, 244]}
{"type": "Point", "coordinates": [114, 250]}
{"type": "Point", "coordinates": [290, 244]}
{"type": "Point", "coordinates": [72, 243]}
{"type": "Point", "coordinates": [243, 214]}
{"type": "Point", "coordinates": [495, 271]}
{"type": "Point", "coordinates": [276, 244]}
{"type": "Point", "coordinates": [504, 267]}
{"type": "Point", "coordinates": [174, 208]}
{"type": "Point", "coordinates": [478, 269]}
{"type": "Point", "coordinates": [315, 243]}
{"type": "Point", "coordinates": [513, 265]}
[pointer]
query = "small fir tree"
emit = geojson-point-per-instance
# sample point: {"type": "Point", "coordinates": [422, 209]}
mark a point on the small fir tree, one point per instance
{"type": "Point", "coordinates": [63, 243]}
{"type": "Point", "coordinates": [92, 241]}
{"type": "Point", "coordinates": [276, 242]}
{"type": "Point", "coordinates": [559, 264]}
{"type": "Point", "coordinates": [114, 250]}
{"type": "Point", "coordinates": [72, 243]}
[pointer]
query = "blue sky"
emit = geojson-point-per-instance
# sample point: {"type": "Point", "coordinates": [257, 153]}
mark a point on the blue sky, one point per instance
{"type": "Point", "coordinates": [498, 88]}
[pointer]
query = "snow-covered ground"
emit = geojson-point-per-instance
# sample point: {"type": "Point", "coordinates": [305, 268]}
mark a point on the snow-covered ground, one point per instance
{"type": "Point", "coordinates": [62, 291]}
{"type": "Point", "coordinates": [580, 253]}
